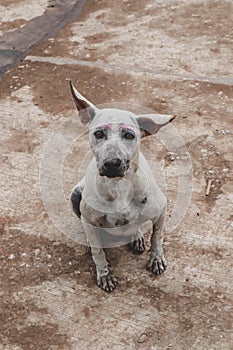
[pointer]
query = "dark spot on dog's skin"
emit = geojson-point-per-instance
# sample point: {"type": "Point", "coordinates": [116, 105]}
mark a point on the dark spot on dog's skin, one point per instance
{"type": "Point", "coordinates": [144, 200]}
{"type": "Point", "coordinates": [75, 198]}
{"type": "Point", "coordinates": [122, 222]}
{"type": "Point", "coordinates": [102, 221]}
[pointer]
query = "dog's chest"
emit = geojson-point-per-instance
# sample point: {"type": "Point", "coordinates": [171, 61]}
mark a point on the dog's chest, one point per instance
{"type": "Point", "coordinates": [111, 219]}
{"type": "Point", "coordinates": [116, 213]}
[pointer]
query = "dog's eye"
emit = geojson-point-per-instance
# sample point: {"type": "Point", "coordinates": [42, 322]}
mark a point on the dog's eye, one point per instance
{"type": "Point", "coordinates": [99, 134]}
{"type": "Point", "coordinates": [129, 135]}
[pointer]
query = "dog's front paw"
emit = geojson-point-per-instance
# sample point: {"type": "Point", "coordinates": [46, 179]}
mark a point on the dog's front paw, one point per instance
{"type": "Point", "coordinates": [137, 246]}
{"type": "Point", "coordinates": [108, 282]}
{"type": "Point", "coordinates": [157, 265]}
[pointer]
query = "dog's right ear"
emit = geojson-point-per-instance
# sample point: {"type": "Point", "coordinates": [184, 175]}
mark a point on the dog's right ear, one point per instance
{"type": "Point", "coordinates": [87, 110]}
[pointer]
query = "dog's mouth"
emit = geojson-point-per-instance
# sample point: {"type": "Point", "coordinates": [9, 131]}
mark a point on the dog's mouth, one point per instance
{"type": "Point", "coordinates": [114, 168]}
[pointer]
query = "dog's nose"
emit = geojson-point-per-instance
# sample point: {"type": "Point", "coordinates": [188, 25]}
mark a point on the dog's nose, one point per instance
{"type": "Point", "coordinates": [112, 164]}
{"type": "Point", "coordinates": [112, 167]}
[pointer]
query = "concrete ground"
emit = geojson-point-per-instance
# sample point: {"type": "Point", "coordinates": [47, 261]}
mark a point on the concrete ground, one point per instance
{"type": "Point", "coordinates": [174, 57]}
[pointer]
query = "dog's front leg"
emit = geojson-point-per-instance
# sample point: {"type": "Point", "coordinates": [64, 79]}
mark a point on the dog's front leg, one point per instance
{"type": "Point", "coordinates": [157, 262]}
{"type": "Point", "coordinates": [105, 279]}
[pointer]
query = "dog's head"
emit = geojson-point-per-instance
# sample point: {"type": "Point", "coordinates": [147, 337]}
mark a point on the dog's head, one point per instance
{"type": "Point", "coordinates": [115, 134]}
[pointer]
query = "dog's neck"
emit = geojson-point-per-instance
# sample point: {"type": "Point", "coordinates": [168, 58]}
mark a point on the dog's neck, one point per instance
{"type": "Point", "coordinates": [118, 187]}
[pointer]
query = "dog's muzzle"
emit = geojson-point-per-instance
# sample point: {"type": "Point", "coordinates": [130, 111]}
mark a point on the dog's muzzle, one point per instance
{"type": "Point", "coordinates": [115, 167]}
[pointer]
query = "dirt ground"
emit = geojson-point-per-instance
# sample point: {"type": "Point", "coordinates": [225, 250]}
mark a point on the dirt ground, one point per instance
{"type": "Point", "coordinates": [170, 56]}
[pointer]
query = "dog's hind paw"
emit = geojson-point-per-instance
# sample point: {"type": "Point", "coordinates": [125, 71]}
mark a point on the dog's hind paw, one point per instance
{"type": "Point", "coordinates": [137, 246]}
{"type": "Point", "coordinates": [157, 265]}
{"type": "Point", "coordinates": [108, 282]}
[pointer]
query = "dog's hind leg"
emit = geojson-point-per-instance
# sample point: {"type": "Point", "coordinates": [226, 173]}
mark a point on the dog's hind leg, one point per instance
{"type": "Point", "coordinates": [137, 246]}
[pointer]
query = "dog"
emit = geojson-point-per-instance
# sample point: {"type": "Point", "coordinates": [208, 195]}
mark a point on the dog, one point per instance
{"type": "Point", "coordinates": [119, 192]}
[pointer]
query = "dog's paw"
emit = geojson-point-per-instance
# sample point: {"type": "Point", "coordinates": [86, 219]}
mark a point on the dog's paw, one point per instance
{"type": "Point", "coordinates": [108, 282]}
{"type": "Point", "coordinates": [137, 246]}
{"type": "Point", "coordinates": [157, 265]}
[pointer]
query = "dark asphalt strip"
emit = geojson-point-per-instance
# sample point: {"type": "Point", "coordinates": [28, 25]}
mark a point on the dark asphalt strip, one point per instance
{"type": "Point", "coordinates": [14, 46]}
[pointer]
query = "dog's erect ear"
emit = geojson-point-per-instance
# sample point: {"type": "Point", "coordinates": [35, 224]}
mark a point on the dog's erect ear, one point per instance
{"type": "Point", "coordinates": [151, 123]}
{"type": "Point", "coordinates": [86, 109]}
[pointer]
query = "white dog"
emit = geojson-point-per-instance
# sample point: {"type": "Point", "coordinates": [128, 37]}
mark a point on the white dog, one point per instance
{"type": "Point", "coordinates": [119, 192]}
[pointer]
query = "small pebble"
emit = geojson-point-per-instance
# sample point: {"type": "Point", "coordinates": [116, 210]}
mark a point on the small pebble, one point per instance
{"type": "Point", "coordinates": [37, 252]}
{"type": "Point", "coordinates": [224, 131]}
{"type": "Point", "coordinates": [142, 338]}
{"type": "Point", "coordinates": [11, 257]}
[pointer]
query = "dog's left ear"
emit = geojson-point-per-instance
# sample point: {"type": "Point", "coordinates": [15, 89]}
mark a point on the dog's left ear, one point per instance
{"type": "Point", "coordinates": [86, 109]}
{"type": "Point", "coordinates": [151, 123]}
